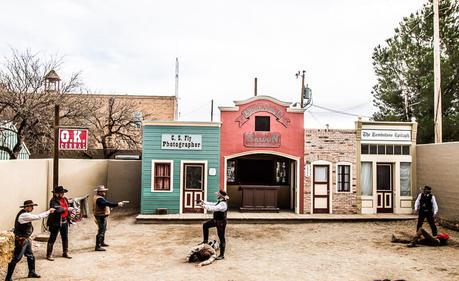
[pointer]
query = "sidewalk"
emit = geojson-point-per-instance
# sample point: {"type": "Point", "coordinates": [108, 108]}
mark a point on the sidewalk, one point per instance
{"type": "Point", "coordinates": [276, 218]}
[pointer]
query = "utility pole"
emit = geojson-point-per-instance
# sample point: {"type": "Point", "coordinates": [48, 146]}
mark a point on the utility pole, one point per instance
{"type": "Point", "coordinates": [176, 89]}
{"type": "Point", "coordinates": [255, 90]}
{"type": "Point", "coordinates": [302, 74]}
{"type": "Point", "coordinates": [437, 77]}
{"type": "Point", "coordinates": [212, 111]}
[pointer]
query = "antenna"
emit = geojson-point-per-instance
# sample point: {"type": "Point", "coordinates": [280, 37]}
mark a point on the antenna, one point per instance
{"type": "Point", "coordinates": [176, 114]}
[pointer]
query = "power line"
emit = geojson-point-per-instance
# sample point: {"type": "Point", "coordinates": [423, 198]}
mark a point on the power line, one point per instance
{"type": "Point", "coordinates": [339, 111]}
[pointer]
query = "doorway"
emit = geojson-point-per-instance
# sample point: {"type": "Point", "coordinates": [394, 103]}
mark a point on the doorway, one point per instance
{"type": "Point", "coordinates": [321, 189]}
{"type": "Point", "coordinates": [384, 188]}
{"type": "Point", "coordinates": [193, 186]}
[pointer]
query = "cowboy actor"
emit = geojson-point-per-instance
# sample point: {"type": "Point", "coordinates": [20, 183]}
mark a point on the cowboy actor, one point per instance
{"type": "Point", "coordinates": [205, 254]}
{"type": "Point", "coordinates": [427, 207]}
{"type": "Point", "coordinates": [219, 210]}
{"type": "Point", "coordinates": [101, 209]}
{"type": "Point", "coordinates": [423, 238]}
{"type": "Point", "coordinates": [23, 229]}
{"type": "Point", "coordinates": [59, 222]}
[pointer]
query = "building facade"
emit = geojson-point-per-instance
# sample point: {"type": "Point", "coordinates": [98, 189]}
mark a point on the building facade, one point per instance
{"type": "Point", "coordinates": [262, 150]}
{"type": "Point", "coordinates": [180, 165]}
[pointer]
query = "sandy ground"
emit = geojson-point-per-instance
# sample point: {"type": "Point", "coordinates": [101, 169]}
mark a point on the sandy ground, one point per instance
{"type": "Point", "coordinates": [310, 251]}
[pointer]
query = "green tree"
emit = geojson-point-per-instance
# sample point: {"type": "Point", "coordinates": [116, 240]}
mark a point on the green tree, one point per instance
{"type": "Point", "coordinates": [404, 70]}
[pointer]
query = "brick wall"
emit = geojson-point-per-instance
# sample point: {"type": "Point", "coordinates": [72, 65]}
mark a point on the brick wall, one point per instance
{"type": "Point", "coordinates": [332, 145]}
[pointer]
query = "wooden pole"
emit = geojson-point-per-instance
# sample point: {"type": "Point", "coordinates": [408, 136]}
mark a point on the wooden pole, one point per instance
{"type": "Point", "coordinates": [212, 111]}
{"type": "Point", "coordinates": [437, 76]}
{"type": "Point", "coordinates": [56, 147]}
{"type": "Point", "coordinates": [302, 87]}
{"type": "Point", "coordinates": [256, 87]}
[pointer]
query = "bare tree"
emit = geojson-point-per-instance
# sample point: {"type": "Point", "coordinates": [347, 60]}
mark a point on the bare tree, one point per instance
{"type": "Point", "coordinates": [25, 103]}
{"type": "Point", "coordinates": [116, 125]}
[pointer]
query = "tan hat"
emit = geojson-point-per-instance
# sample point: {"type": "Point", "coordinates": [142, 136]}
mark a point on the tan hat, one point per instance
{"type": "Point", "coordinates": [100, 188]}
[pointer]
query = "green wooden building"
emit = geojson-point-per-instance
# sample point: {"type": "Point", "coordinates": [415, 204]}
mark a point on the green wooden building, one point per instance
{"type": "Point", "coordinates": [180, 165]}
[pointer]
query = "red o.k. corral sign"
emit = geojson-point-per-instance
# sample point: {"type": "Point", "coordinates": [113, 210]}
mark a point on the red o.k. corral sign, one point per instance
{"type": "Point", "coordinates": [73, 139]}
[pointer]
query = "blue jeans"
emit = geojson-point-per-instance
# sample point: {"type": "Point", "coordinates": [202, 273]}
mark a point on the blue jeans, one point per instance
{"type": "Point", "coordinates": [102, 227]}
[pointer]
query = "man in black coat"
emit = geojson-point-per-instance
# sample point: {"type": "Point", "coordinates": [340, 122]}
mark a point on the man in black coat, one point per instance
{"type": "Point", "coordinates": [58, 222]}
{"type": "Point", "coordinates": [427, 208]}
{"type": "Point", "coordinates": [23, 229]}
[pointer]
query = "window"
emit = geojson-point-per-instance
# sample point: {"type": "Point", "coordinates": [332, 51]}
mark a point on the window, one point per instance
{"type": "Point", "coordinates": [381, 149]}
{"type": "Point", "coordinates": [406, 150]}
{"type": "Point", "coordinates": [364, 148]}
{"type": "Point", "coordinates": [366, 178]}
{"type": "Point", "coordinates": [373, 149]}
{"type": "Point", "coordinates": [162, 175]}
{"type": "Point", "coordinates": [387, 149]}
{"type": "Point", "coordinates": [405, 179]}
{"type": "Point", "coordinates": [344, 178]}
{"type": "Point", "coordinates": [262, 123]}
{"type": "Point", "coordinates": [397, 149]}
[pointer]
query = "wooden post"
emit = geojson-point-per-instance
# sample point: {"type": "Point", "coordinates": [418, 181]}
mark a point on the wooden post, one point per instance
{"type": "Point", "coordinates": [256, 87]}
{"type": "Point", "coordinates": [437, 77]}
{"type": "Point", "coordinates": [56, 147]}
{"type": "Point", "coordinates": [302, 88]}
{"type": "Point", "coordinates": [212, 111]}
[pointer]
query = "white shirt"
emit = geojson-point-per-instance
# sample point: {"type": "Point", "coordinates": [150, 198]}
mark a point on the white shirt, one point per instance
{"type": "Point", "coordinates": [28, 217]}
{"type": "Point", "coordinates": [213, 207]}
{"type": "Point", "coordinates": [418, 203]}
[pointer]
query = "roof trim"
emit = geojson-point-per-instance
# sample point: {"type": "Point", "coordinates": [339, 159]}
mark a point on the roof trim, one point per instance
{"type": "Point", "coordinates": [255, 98]}
{"type": "Point", "coordinates": [182, 123]}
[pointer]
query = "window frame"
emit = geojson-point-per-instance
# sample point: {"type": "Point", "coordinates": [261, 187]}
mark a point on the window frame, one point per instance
{"type": "Point", "coordinates": [337, 176]}
{"type": "Point", "coordinates": [153, 175]}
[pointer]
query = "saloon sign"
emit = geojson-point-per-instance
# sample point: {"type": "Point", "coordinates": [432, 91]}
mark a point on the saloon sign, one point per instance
{"type": "Point", "coordinates": [262, 139]}
{"type": "Point", "coordinates": [73, 139]}
{"type": "Point", "coordinates": [263, 107]}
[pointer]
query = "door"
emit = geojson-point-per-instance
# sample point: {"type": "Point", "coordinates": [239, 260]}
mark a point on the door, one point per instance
{"type": "Point", "coordinates": [384, 188]}
{"type": "Point", "coordinates": [321, 189]}
{"type": "Point", "coordinates": [193, 187]}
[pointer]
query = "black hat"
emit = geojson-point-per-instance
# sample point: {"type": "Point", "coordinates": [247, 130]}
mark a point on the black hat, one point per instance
{"type": "Point", "coordinates": [222, 194]}
{"type": "Point", "coordinates": [28, 203]}
{"type": "Point", "coordinates": [427, 187]}
{"type": "Point", "coordinates": [60, 189]}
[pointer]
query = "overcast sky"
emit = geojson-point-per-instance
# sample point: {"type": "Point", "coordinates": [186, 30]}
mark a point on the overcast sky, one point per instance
{"type": "Point", "coordinates": [129, 47]}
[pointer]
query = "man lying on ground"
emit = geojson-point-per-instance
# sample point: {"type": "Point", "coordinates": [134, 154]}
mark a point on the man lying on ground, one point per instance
{"type": "Point", "coordinates": [423, 238]}
{"type": "Point", "coordinates": [205, 253]}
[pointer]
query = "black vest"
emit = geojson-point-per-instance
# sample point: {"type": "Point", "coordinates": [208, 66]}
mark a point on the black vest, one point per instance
{"type": "Point", "coordinates": [220, 215]}
{"type": "Point", "coordinates": [425, 202]}
{"type": "Point", "coordinates": [22, 229]}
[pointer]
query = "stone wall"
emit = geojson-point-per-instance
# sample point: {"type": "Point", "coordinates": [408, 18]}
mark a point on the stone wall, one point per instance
{"type": "Point", "coordinates": [332, 146]}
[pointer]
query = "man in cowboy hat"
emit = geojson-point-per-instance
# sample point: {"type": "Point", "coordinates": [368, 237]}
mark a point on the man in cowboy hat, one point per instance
{"type": "Point", "coordinates": [219, 210]}
{"type": "Point", "coordinates": [426, 206]}
{"type": "Point", "coordinates": [59, 222]}
{"type": "Point", "coordinates": [101, 210]}
{"type": "Point", "coordinates": [423, 238]}
{"type": "Point", "coordinates": [23, 229]}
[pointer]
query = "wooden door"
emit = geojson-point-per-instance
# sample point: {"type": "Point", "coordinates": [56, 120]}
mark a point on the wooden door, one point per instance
{"type": "Point", "coordinates": [384, 188]}
{"type": "Point", "coordinates": [193, 187]}
{"type": "Point", "coordinates": [321, 189]}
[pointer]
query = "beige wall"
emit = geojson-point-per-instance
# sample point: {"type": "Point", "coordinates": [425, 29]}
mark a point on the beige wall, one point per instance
{"type": "Point", "coordinates": [21, 180]}
{"type": "Point", "coordinates": [32, 179]}
{"type": "Point", "coordinates": [438, 167]}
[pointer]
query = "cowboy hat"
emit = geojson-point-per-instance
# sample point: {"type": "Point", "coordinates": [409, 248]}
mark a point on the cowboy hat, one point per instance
{"type": "Point", "coordinates": [100, 188]}
{"type": "Point", "coordinates": [28, 203]}
{"type": "Point", "coordinates": [222, 194]}
{"type": "Point", "coordinates": [59, 189]}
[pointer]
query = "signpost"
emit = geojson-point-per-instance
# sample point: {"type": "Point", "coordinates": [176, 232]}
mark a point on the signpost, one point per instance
{"type": "Point", "coordinates": [73, 139]}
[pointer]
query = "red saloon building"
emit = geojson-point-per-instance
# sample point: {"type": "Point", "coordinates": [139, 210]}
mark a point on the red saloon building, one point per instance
{"type": "Point", "coordinates": [262, 155]}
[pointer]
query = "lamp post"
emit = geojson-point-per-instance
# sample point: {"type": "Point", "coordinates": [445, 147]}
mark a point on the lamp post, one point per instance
{"type": "Point", "coordinates": [52, 84]}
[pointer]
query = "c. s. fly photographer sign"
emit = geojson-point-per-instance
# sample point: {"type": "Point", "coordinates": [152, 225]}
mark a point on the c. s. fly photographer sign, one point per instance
{"type": "Point", "coordinates": [181, 141]}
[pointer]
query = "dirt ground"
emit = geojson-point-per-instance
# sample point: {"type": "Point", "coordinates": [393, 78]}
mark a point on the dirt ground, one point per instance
{"type": "Point", "coordinates": [310, 251]}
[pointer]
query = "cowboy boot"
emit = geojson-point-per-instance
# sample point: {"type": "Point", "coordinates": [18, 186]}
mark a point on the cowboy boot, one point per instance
{"type": "Point", "coordinates": [222, 253]}
{"type": "Point", "coordinates": [32, 273]}
{"type": "Point", "coordinates": [65, 249]}
{"type": "Point", "coordinates": [99, 244]}
{"type": "Point", "coordinates": [9, 275]}
{"type": "Point", "coordinates": [49, 252]}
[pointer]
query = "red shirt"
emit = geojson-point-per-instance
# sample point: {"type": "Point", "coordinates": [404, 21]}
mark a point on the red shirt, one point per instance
{"type": "Point", "coordinates": [63, 204]}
